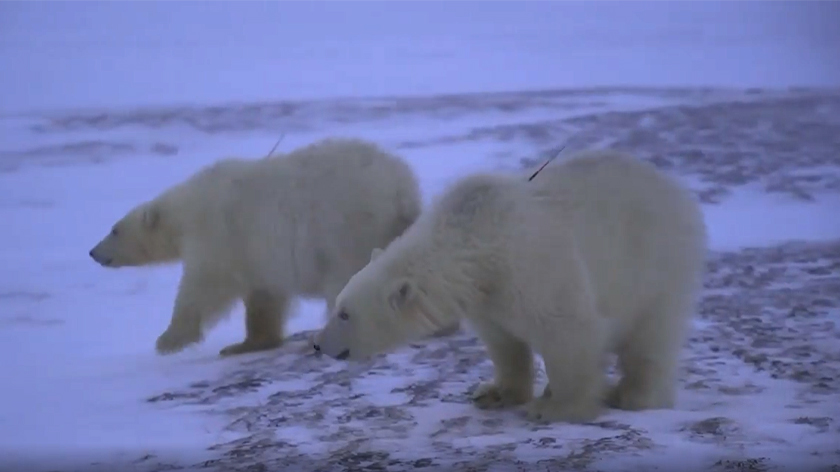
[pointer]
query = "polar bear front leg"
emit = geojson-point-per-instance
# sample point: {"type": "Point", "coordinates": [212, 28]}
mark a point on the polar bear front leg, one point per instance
{"type": "Point", "coordinates": [575, 387]}
{"type": "Point", "coordinates": [202, 300]}
{"type": "Point", "coordinates": [513, 361]}
{"type": "Point", "coordinates": [571, 338]}
{"type": "Point", "coordinates": [265, 312]}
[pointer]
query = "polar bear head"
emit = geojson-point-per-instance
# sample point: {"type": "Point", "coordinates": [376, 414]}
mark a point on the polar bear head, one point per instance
{"type": "Point", "coordinates": [141, 237]}
{"type": "Point", "coordinates": [383, 306]}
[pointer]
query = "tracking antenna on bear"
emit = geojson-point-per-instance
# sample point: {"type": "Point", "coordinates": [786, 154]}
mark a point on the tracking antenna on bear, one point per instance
{"type": "Point", "coordinates": [546, 163]}
{"type": "Point", "coordinates": [275, 145]}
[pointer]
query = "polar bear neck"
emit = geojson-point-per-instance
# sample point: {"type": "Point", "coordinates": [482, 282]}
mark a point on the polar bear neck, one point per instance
{"type": "Point", "coordinates": [174, 218]}
{"type": "Point", "coordinates": [449, 281]}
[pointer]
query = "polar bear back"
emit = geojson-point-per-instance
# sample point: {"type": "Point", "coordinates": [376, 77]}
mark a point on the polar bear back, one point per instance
{"type": "Point", "coordinates": [291, 218]}
{"type": "Point", "coordinates": [638, 233]}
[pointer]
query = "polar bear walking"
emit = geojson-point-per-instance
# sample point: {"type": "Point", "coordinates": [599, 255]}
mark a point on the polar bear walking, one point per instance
{"type": "Point", "coordinates": [264, 231]}
{"type": "Point", "coordinates": [598, 254]}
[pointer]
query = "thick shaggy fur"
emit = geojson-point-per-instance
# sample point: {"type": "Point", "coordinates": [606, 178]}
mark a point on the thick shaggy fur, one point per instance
{"type": "Point", "coordinates": [264, 231]}
{"type": "Point", "coordinates": [599, 254]}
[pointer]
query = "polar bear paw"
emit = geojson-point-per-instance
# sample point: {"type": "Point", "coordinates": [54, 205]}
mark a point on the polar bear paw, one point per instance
{"type": "Point", "coordinates": [624, 397]}
{"type": "Point", "coordinates": [447, 331]}
{"type": "Point", "coordinates": [172, 341]}
{"type": "Point", "coordinates": [490, 396]}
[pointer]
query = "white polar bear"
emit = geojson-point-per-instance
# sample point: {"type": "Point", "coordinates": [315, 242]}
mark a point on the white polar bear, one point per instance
{"type": "Point", "coordinates": [264, 231]}
{"type": "Point", "coordinates": [599, 254]}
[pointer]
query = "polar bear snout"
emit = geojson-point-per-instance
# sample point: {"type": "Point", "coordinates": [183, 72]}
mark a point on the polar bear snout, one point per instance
{"type": "Point", "coordinates": [341, 356]}
{"type": "Point", "coordinates": [99, 258]}
{"type": "Point", "coordinates": [334, 339]}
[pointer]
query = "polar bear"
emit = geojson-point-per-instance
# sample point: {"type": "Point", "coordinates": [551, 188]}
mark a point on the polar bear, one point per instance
{"type": "Point", "coordinates": [599, 254]}
{"type": "Point", "coordinates": [264, 231]}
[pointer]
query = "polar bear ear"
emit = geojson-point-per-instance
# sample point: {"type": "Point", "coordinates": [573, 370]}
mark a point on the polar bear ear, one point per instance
{"type": "Point", "coordinates": [402, 291]}
{"type": "Point", "coordinates": [151, 217]}
{"type": "Point", "coordinates": [375, 253]}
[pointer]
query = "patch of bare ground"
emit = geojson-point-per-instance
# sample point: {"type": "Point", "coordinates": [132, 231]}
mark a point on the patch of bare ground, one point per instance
{"type": "Point", "coordinates": [744, 465]}
{"type": "Point", "coordinates": [778, 310]}
{"type": "Point", "coordinates": [786, 145]}
{"type": "Point", "coordinates": [306, 115]}
{"type": "Point", "coordinates": [785, 142]}
{"type": "Point", "coordinates": [92, 152]}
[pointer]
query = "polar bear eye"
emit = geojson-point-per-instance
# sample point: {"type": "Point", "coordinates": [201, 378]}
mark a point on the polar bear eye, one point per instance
{"type": "Point", "coordinates": [114, 232]}
{"type": "Point", "coordinates": [343, 315]}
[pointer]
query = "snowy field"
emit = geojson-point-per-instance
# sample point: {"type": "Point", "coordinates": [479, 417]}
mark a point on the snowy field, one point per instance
{"type": "Point", "coordinates": [102, 105]}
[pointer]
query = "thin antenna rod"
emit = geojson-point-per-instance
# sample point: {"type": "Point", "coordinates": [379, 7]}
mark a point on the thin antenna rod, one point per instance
{"type": "Point", "coordinates": [275, 145]}
{"type": "Point", "coordinates": [546, 163]}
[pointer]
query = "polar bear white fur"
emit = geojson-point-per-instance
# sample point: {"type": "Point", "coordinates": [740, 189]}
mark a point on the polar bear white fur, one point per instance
{"type": "Point", "coordinates": [264, 231]}
{"type": "Point", "coordinates": [600, 254]}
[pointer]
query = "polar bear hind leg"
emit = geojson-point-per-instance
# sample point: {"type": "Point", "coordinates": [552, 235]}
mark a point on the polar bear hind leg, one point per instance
{"type": "Point", "coordinates": [649, 360]}
{"type": "Point", "coordinates": [576, 379]}
{"type": "Point", "coordinates": [265, 314]}
{"type": "Point", "coordinates": [572, 343]}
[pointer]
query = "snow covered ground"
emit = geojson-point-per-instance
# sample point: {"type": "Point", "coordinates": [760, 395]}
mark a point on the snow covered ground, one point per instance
{"type": "Point", "coordinates": [103, 110]}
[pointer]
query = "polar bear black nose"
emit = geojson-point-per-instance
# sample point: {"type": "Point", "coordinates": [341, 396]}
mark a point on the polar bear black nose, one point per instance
{"type": "Point", "coordinates": [343, 355]}
{"type": "Point", "coordinates": [316, 347]}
